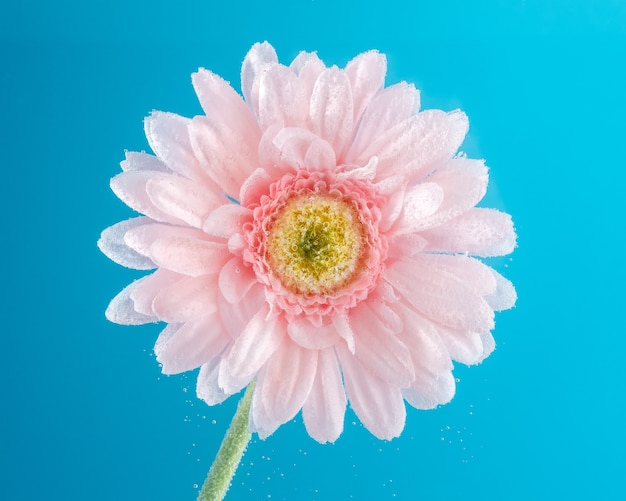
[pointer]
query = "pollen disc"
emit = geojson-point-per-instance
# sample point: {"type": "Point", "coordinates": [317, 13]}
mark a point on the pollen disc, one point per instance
{"type": "Point", "coordinates": [315, 244]}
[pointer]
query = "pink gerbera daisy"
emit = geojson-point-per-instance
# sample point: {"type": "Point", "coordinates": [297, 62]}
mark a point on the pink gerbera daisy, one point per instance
{"type": "Point", "coordinates": [314, 237]}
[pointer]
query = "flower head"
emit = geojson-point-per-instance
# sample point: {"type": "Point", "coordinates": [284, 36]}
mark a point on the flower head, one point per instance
{"type": "Point", "coordinates": [316, 237]}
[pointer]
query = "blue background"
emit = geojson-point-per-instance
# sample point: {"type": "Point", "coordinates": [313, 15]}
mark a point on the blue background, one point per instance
{"type": "Point", "coordinates": [85, 412]}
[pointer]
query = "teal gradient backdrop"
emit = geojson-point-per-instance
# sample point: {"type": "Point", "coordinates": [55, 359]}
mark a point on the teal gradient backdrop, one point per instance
{"type": "Point", "coordinates": [85, 411]}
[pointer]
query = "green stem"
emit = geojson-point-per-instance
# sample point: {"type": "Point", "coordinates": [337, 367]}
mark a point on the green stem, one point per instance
{"type": "Point", "coordinates": [228, 457]}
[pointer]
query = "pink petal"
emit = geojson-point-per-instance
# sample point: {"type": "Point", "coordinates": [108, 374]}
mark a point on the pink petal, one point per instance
{"type": "Point", "coordinates": [183, 199]}
{"type": "Point", "coordinates": [235, 280]}
{"type": "Point", "coordinates": [342, 325]}
{"type": "Point", "coordinates": [324, 409]}
{"type": "Point", "coordinates": [302, 59]}
{"type": "Point", "coordinates": [258, 341]}
{"type": "Point", "coordinates": [418, 145]}
{"type": "Point", "coordinates": [222, 104]}
{"type": "Point", "coordinates": [320, 156]}
{"type": "Point", "coordinates": [304, 333]}
{"type": "Point", "coordinates": [378, 350]}
{"type": "Point", "coordinates": [144, 294]}
{"type": "Point", "coordinates": [143, 161]}
{"type": "Point", "coordinates": [121, 310]}
{"type": "Point", "coordinates": [165, 335]}
{"type": "Point", "coordinates": [194, 344]}
{"type": "Point", "coordinates": [440, 296]}
{"type": "Point", "coordinates": [130, 188]}
{"type": "Point", "coordinates": [141, 238]}
{"type": "Point", "coordinates": [420, 201]}
{"type": "Point", "coordinates": [281, 98]}
{"type": "Point", "coordinates": [259, 422]}
{"type": "Point", "coordinates": [463, 346]}
{"type": "Point", "coordinates": [271, 158]}
{"type": "Point", "coordinates": [207, 388]}
{"type": "Point", "coordinates": [464, 183]}
{"type": "Point", "coordinates": [386, 314]}
{"type": "Point", "coordinates": [260, 57]}
{"type": "Point", "coordinates": [489, 344]}
{"type": "Point", "coordinates": [428, 351]}
{"type": "Point", "coordinates": [387, 109]}
{"type": "Point", "coordinates": [480, 232]}
{"type": "Point", "coordinates": [226, 220]}
{"type": "Point", "coordinates": [366, 73]}
{"type": "Point", "coordinates": [308, 67]}
{"type": "Point", "coordinates": [393, 188]}
{"type": "Point", "coordinates": [236, 316]}
{"type": "Point", "coordinates": [256, 185]}
{"type": "Point", "coordinates": [366, 172]}
{"type": "Point", "coordinates": [378, 404]}
{"type": "Point", "coordinates": [504, 297]}
{"type": "Point", "coordinates": [284, 385]}
{"type": "Point", "coordinates": [189, 256]}
{"type": "Point", "coordinates": [472, 272]}
{"type": "Point", "coordinates": [186, 299]}
{"type": "Point", "coordinates": [168, 136]}
{"type": "Point", "coordinates": [223, 153]}
{"type": "Point", "coordinates": [406, 245]}
{"type": "Point", "coordinates": [293, 144]}
{"type": "Point", "coordinates": [236, 244]}
{"type": "Point", "coordinates": [112, 245]}
{"type": "Point", "coordinates": [428, 394]}
{"type": "Point", "coordinates": [331, 109]}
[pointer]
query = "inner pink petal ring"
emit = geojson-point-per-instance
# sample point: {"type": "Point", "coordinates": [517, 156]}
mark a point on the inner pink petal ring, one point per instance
{"type": "Point", "coordinates": [314, 240]}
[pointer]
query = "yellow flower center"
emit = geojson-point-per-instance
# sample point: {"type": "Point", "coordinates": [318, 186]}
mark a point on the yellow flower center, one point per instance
{"type": "Point", "coordinates": [315, 244]}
